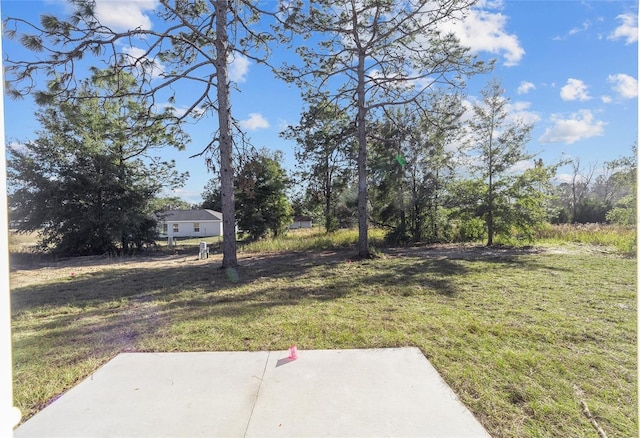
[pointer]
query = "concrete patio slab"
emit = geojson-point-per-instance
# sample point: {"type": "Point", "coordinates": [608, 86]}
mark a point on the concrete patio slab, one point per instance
{"type": "Point", "coordinates": [336, 393]}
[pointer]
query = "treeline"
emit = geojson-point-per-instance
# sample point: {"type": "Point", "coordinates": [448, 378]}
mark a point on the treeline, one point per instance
{"type": "Point", "coordinates": [383, 133]}
{"type": "Point", "coordinates": [90, 182]}
{"type": "Point", "coordinates": [595, 193]}
{"type": "Point", "coordinates": [436, 177]}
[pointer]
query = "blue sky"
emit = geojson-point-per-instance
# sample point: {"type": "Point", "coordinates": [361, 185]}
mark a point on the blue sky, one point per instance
{"type": "Point", "coordinates": [569, 67]}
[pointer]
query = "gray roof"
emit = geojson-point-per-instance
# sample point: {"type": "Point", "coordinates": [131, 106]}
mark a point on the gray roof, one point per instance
{"type": "Point", "coordinates": [189, 216]}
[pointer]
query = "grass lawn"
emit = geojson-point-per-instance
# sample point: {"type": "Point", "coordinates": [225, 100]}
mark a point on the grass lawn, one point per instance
{"type": "Point", "coordinates": [524, 337]}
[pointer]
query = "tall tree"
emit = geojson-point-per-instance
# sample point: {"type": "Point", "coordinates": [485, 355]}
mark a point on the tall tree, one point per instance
{"type": "Point", "coordinates": [580, 185]}
{"type": "Point", "coordinates": [499, 144]}
{"type": "Point", "coordinates": [324, 146]}
{"type": "Point", "coordinates": [374, 54]}
{"type": "Point", "coordinates": [88, 180]}
{"type": "Point", "coordinates": [164, 203]}
{"type": "Point", "coordinates": [261, 199]}
{"type": "Point", "coordinates": [412, 162]}
{"type": "Point", "coordinates": [388, 172]}
{"type": "Point", "coordinates": [626, 189]}
{"type": "Point", "coordinates": [193, 43]}
{"type": "Point", "coordinates": [530, 196]}
{"type": "Point", "coordinates": [437, 160]}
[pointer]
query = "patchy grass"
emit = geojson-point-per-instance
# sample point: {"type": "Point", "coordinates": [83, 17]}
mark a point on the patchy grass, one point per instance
{"type": "Point", "coordinates": [521, 336]}
{"type": "Point", "coordinates": [22, 242]}
{"type": "Point", "coordinates": [311, 239]}
{"type": "Point", "coordinates": [621, 239]}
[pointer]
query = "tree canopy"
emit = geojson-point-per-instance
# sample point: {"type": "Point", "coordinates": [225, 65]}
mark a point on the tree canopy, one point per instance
{"type": "Point", "coordinates": [191, 41]}
{"type": "Point", "coordinates": [324, 146]}
{"type": "Point", "coordinates": [261, 200]}
{"type": "Point", "coordinates": [370, 55]}
{"type": "Point", "coordinates": [88, 180]}
{"type": "Point", "coordinates": [499, 144]}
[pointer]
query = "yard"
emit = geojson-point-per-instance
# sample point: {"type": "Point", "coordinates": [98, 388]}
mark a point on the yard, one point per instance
{"type": "Point", "coordinates": [525, 337]}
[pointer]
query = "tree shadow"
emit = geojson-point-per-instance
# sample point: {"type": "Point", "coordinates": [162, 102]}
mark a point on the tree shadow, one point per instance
{"type": "Point", "coordinates": [99, 314]}
{"type": "Point", "coordinates": [172, 285]}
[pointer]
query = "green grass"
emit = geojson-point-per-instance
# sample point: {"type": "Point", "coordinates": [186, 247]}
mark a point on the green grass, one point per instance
{"type": "Point", "coordinates": [522, 338]}
{"type": "Point", "coordinates": [621, 239]}
{"type": "Point", "coordinates": [311, 239]}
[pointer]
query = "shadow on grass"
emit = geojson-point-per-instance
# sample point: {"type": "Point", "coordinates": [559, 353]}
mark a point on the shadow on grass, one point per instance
{"type": "Point", "coordinates": [112, 309]}
{"type": "Point", "coordinates": [64, 329]}
{"type": "Point", "coordinates": [196, 283]}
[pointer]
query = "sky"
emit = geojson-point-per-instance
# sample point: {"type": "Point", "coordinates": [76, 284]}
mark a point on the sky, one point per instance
{"type": "Point", "coordinates": [568, 67]}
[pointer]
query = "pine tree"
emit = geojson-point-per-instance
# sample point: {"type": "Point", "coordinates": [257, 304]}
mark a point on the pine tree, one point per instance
{"type": "Point", "coordinates": [88, 180]}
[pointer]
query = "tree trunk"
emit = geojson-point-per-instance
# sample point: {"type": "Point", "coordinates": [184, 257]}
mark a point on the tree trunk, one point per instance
{"type": "Point", "coordinates": [363, 230]}
{"type": "Point", "coordinates": [328, 221]}
{"type": "Point", "coordinates": [229, 258]}
{"type": "Point", "coordinates": [490, 198]}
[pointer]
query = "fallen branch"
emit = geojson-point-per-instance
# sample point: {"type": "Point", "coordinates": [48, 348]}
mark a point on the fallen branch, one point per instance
{"type": "Point", "coordinates": [587, 413]}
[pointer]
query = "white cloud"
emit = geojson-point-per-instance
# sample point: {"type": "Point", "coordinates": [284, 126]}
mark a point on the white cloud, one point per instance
{"type": "Point", "coordinates": [154, 68]}
{"type": "Point", "coordinates": [627, 30]}
{"type": "Point", "coordinates": [177, 111]}
{"type": "Point", "coordinates": [626, 86]}
{"type": "Point", "coordinates": [579, 126]}
{"type": "Point", "coordinates": [563, 178]}
{"type": "Point", "coordinates": [255, 121]}
{"type": "Point", "coordinates": [525, 87]}
{"type": "Point", "coordinates": [519, 112]}
{"type": "Point", "coordinates": [484, 31]}
{"type": "Point", "coordinates": [574, 90]}
{"type": "Point", "coordinates": [520, 167]}
{"type": "Point", "coordinates": [125, 15]}
{"type": "Point", "coordinates": [585, 26]}
{"type": "Point", "coordinates": [239, 68]}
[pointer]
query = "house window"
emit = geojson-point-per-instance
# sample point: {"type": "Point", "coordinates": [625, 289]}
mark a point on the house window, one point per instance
{"type": "Point", "coordinates": [196, 227]}
{"type": "Point", "coordinates": [165, 228]}
{"type": "Point", "coordinates": [175, 228]}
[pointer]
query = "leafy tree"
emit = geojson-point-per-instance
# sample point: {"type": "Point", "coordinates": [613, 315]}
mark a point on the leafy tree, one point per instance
{"type": "Point", "coordinates": [191, 41]}
{"type": "Point", "coordinates": [499, 144]}
{"type": "Point", "coordinates": [411, 167]}
{"type": "Point", "coordinates": [212, 196]}
{"type": "Point", "coordinates": [170, 203]}
{"type": "Point", "coordinates": [374, 54]}
{"type": "Point", "coordinates": [324, 143]}
{"type": "Point", "coordinates": [261, 200]}
{"type": "Point", "coordinates": [87, 182]}
{"type": "Point", "coordinates": [530, 197]}
{"type": "Point", "coordinates": [387, 186]}
{"type": "Point", "coordinates": [624, 212]}
{"type": "Point", "coordinates": [466, 209]}
{"type": "Point", "coordinates": [624, 176]}
{"type": "Point", "coordinates": [599, 194]}
{"type": "Point", "coordinates": [437, 162]}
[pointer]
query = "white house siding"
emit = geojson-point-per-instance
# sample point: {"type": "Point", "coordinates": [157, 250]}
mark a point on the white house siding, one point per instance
{"type": "Point", "coordinates": [181, 223]}
{"type": "Point", "coordinates": [186, 229]}
{"type": "Point", "coordinates": [301, 222]}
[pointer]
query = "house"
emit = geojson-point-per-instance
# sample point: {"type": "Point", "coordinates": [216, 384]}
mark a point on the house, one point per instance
{"type": "Point", "coordinates": [189, 223]}
{"type": "Point", "coordinates": [301, 222]}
